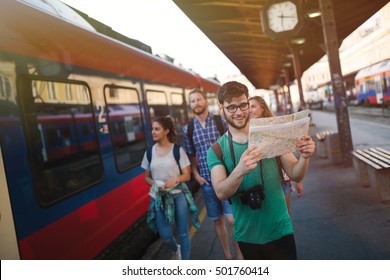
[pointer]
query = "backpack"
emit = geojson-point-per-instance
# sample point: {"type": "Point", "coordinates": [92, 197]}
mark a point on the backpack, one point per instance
{"type": "Point", "coordinates": [176, 154]}
{"type": "Point", "coordinates": [190, 129]}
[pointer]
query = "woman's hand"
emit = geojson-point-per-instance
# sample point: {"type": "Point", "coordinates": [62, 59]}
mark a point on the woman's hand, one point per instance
{"type": "Point", "coordinates": [171, 182]}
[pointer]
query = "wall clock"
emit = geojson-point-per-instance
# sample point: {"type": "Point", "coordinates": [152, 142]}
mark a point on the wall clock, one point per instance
{"type": "Point", "coordinates": [281, 19]}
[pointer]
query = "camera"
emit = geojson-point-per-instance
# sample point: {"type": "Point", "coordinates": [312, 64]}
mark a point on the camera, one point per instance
{"type": "Point", "coordinates": [253, 196]}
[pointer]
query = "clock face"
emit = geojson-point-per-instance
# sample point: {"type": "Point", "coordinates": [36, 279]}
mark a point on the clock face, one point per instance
{"type": "Point", "coordinates": [282, 16]}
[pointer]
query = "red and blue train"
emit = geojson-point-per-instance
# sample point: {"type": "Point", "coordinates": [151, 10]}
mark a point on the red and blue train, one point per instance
{"type": "Point", "coordinates": [75, 113]}
{"type": "Point", "coordinates": [373, 84]}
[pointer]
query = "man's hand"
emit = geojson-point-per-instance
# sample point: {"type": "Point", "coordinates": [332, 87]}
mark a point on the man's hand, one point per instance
{"type": "Point", "coordinates": [249, 159]}
{"type": "Point", "coordinates": [306, 146]}
{"type": "Point", "coordinates": [200, 179]}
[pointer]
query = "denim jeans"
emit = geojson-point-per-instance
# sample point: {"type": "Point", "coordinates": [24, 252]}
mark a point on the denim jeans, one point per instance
{"type": "Point", "coordinates": [181, 220]}
{"type": "Point", "coordinates": [215, 207]}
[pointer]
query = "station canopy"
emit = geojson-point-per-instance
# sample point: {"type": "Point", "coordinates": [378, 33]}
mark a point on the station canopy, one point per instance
{"type": "Point", "coordinates": [234, 27]}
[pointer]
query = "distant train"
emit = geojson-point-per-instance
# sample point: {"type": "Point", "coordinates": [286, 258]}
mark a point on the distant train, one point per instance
{"type": "Point", "coordinates": [75, 114]}
{"type": "Point", "coordinates": [373, 83]}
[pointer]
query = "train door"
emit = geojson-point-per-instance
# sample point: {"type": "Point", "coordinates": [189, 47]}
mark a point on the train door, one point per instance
{"type": "Point", "coordinates": [8, 242]}
{"type": "Point", "coordinates": [187, 99]}
{"type": "Point", "coordinates": [179, 113]}
{"type": "Point", "coordinates": [126, 125]}
{"type": "Point", "coordinates": [378, 89]}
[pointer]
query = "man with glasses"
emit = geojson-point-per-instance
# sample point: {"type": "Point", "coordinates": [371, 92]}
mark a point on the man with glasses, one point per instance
{"type": "Point", "coordinates": [262, 225]}
{"type": "Point", "coordinates": [204, 132]}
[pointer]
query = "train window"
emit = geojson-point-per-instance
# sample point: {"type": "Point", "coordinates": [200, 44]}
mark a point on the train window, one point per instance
{"type": "Point", "coordinates": [213, 103]}
{"type": "Point", "coordinates": [157, 103]}
{"type": "Point", "coordinates": [177, 99]}
{"type": "Point", "coordinates": [156, 98]}
{"type": "Point", "coordinates": [378, 86]}
{"type": "Point", "coordinates": [187, 98]}
{"type": "Point", "coordinates": [51, 90]}
{"type": "Point", "coordinates": [62, 138]}
{"type": "Point", "coordinates": [5, 87]}
{"type": "Point", "coordinates": [179, 114]}
{"type": "Point", "coordinates": [370, 85]}
{"type": "Point", "coordinates": [69, 93]}
{"type": "Point", "coordinates": [126, 126]}
{"type": "Point", "coordinates": [363, 87]}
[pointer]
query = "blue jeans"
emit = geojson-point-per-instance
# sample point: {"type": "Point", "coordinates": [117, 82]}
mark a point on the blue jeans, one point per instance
{"type": "Point", "coordinates": [287, 187]}
{"type": "Point", "coordinates": [215, 207]}
{"type": "Point", "coordinates": [181, 220]}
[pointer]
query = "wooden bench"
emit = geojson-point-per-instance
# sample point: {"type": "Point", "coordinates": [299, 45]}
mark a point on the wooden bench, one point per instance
{"type": "Point", "coordinates": [372, 167]}
{"type": "Point", "coordinates": [320, 145]}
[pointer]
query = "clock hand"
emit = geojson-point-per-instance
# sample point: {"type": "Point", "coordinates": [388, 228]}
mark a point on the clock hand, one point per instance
{"type": "Point", "coordinates": [281, 19]}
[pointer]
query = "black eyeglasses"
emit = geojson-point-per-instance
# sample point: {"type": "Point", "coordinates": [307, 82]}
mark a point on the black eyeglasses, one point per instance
{"type": "Point", "coordinates": [233, 108]}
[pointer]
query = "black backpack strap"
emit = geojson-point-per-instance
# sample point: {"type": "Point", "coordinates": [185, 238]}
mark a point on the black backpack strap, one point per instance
{"type": "Point", "coordinates": [149, 154]}
{"type": "Point", "coordinates": [176, 154]}
{"type": "Point", "coordinates": [190, 128]}
{"type": "Point", "coordinates": [218, 122]}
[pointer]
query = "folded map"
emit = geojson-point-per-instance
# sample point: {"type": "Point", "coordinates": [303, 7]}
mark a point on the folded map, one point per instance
{"type": "Point", "coordinates": [279, 135]}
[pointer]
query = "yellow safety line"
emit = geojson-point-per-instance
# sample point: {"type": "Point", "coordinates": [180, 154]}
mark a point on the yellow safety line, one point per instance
{"type": "Point", "coordinates": [202, 215]}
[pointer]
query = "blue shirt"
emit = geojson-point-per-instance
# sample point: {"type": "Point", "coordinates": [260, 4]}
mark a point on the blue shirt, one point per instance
{"type": "Point", "coordinates": [202, 138]}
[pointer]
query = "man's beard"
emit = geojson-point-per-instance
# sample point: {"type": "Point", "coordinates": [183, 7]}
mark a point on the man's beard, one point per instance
{"type": "Point", "coordinates": [200, 110]}
{"type": "Point", "coordinates": [230, 121]}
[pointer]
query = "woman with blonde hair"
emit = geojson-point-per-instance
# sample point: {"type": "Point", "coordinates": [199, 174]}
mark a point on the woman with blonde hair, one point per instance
{"type": "Point", "coordinates": [259, 109]}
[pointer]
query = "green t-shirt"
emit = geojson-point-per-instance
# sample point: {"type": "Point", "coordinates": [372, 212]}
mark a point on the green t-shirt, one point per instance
{"type": "Point", "coordinates": [271, 221]}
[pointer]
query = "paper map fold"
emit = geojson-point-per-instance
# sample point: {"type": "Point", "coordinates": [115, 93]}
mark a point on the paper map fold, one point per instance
{"type": "Point", "coordinates": [278, 135]}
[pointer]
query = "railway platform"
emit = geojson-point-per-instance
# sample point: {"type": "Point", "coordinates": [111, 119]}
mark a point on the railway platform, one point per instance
{"type": "Point", "coordinates": [335, 219]}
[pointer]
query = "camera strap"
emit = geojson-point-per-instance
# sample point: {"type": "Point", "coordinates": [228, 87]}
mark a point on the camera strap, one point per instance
{"type": "Point", "coordinates": [230, 137]}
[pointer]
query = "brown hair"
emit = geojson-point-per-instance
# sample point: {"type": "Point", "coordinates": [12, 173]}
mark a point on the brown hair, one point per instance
{"type": "Point", "coordinates": [230, 90]}
{"type": "Point", "coordinates": [266, 110]}
{"type": "Point", "coordinates": [197, 90]}
{"type": "Point", "coordinates": [167, 123]}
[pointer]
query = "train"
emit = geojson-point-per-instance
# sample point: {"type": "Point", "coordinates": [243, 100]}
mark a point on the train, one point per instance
{"type": "Point", "coordinates": [75, 119]}
{"type": "Point", "coordinates": [373, 84]}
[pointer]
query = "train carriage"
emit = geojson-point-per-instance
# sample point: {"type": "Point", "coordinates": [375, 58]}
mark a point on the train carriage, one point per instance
{"type": "Point", "coordinates": [75, 113]}
{"type": "Point", "coordinates": [373, 84]}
